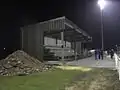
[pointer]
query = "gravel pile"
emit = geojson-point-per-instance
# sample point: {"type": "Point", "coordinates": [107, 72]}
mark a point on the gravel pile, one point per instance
{"type": "Point", "coordinates": [20, 63]}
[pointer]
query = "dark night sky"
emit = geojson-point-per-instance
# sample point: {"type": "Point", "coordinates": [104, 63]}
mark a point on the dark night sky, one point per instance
{"type": "Point", "coordinates": [85, 13]}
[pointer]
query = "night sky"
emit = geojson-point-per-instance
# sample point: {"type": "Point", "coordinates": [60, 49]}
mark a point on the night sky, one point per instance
{"type": "Point", "coordinates": [84, 13]}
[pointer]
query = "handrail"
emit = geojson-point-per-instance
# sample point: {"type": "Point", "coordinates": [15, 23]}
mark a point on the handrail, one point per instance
{"type": "Point", "coordinates": [117, 64]}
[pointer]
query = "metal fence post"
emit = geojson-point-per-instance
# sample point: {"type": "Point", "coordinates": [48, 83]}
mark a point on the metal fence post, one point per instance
{"type": "Point", "coordinates": [117, 64]}
{"type": "Point", "coordinates": [116, 61]}
{"type": "Point", "coordinates": [119, 68]}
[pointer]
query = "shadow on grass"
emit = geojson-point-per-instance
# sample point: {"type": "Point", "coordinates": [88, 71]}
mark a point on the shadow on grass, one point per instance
{"type": "Point", "coordinates": [95, 79]}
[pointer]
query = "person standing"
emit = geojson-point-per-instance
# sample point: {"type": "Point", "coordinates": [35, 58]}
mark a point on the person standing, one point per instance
{"type": "Point", "coordinates": [107, 52]}
{"type": "Point", "coordinates": [96, 54]}
{"type": "Point", "coordinates": [112, 53]}
{"type": "Point", "coordinates": [99, 53]}
{"type": "Point", "coordinates": [102, 55]}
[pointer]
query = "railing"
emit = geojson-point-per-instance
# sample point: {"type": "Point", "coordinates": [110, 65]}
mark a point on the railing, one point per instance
{"type": "Point", "coordinates": [117, 64]}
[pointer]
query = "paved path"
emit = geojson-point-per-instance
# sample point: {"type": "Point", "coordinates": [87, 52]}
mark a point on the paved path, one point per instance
{"type": "Point", "coordinates": [90, 62]}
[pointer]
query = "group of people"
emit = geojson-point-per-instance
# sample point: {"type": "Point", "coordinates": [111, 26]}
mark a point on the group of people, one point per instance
{"type": "Point", "coordinates": [98, 54]}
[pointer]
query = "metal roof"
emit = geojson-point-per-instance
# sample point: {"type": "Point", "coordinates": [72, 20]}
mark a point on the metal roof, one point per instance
{"type": "Point", "coordinates": [72, 32]}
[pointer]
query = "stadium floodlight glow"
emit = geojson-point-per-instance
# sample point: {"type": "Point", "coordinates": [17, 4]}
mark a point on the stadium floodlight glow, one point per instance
{"type": "Point", "coordinates": [102, 4]}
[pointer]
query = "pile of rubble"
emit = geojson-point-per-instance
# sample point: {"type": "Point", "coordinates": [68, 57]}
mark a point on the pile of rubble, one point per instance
{"type": "Point", "coordinates": [20, 63]}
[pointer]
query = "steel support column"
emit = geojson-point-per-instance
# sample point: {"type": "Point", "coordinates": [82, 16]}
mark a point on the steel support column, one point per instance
{"type": "Point", "coordinates": [56, 41]}
{"type": "Point", "coordinates": [78, 45]}
{"type": "Point", "coordinates": [75, 50]}
{"type": "Point", "coordinates": [65, 43]}
{"type": "Point", "coordinates": [62, 41]}
{"type": "Point", "coordinates": [80, 48]}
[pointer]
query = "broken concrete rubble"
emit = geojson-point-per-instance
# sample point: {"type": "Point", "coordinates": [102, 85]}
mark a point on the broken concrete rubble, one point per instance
{"type": "Point", "coordinates": [19, 63]}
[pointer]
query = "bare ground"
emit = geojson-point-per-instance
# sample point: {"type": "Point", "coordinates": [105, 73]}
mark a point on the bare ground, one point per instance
{"type": "Point", "coordinates": [97, 79]}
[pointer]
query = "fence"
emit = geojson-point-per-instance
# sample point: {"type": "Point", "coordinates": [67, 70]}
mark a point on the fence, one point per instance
{"type": "Point", "coordinates": [117, 64]}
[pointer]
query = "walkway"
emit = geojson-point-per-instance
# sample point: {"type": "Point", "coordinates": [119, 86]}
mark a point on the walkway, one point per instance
{"type": "Point", "coordinates": [90, 62]}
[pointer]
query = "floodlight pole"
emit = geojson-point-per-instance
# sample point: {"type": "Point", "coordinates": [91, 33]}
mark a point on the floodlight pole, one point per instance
{"type": "Point", "coordinates": [102, 28]}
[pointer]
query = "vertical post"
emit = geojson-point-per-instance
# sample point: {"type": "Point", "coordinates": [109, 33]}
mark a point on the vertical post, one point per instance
{"type": "Point", "coordinates": [62, 41]}
{"type": "Point", "coordinates": [56, 41]}
{"type": "Point", "coordinates": [75, 50]}
{"type": "Point", "coordinates": [80, 48]}
{"type": "Point", "coordinates": [102, 30]}
{"type": "Point", "coordinates": [116, 64]}
{"type": "Point", "coordinates": [119, 68]}
{"type": "Point", "coordinates": [72, 45]}
{"type": "Point", "coordinates": [65, 43]}
{"type": "Point", "coordinates": [83, 49]}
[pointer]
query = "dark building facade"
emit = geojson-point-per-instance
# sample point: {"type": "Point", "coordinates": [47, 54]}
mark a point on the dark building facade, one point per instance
{"type": "Point", "coordinates": [32, 36]}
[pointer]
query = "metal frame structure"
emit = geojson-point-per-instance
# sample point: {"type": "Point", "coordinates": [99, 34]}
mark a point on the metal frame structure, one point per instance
{"type": "Point", "coordinates": [71, 31]}
{"type": "Point", "coordinates": [60, 28]}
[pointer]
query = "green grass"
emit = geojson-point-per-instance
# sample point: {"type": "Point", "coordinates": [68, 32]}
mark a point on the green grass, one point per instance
{"type": "Point", "coordinates": [66, 78]}
{"type": "Point", "coordinates": [43, 81]}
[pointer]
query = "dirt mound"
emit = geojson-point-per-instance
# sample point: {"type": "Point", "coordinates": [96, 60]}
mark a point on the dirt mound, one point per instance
{"type": "Point", "coordinates": [19, 63]}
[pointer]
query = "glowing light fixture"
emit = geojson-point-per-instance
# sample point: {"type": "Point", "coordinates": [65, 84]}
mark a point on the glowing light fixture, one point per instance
{"type": "Point", "coordinates": [102, 4]}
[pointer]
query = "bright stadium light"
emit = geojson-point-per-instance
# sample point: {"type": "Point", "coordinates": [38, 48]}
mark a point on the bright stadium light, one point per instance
{"type": "Point", "coordinates": [102, 4]}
